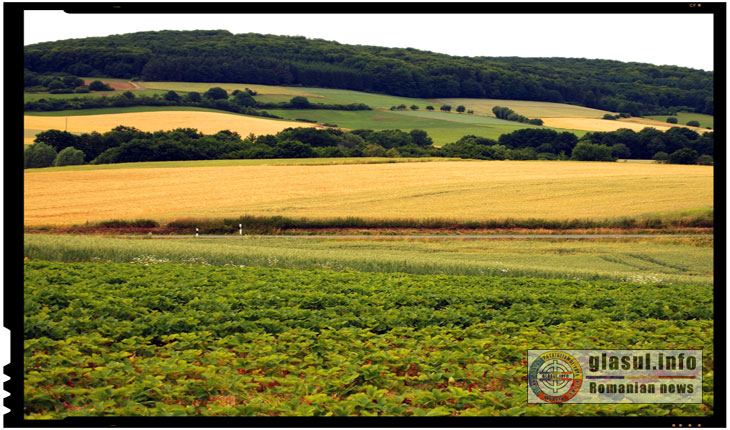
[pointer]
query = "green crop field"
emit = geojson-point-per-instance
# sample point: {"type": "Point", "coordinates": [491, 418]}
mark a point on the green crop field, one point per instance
{"type": "Point", "coordinates": [680, 260]}
{"type": "Point", "coordinates": [155, 338]}
{"type": "Point", "coordinates": [706, 121]}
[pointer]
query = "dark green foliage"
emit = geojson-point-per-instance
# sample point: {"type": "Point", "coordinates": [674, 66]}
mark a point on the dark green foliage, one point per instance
{"type": "Point", "coordinates": [661, 157]}
{"type": "Point", "coordinates": [609, 116]}
{"type": "Point", "coordinates": [99, 86]}
{"type": "Point", "coordinates": [460, 108]}
{"type": "Point", "coordinates": [705, 160]}
{"type": "Point", "coordinates": [683, 156]}
{"type": "Point", "coordinates": [585, 151]}
{"type": "Point", "coordinates": [672, 120]}
{"type": "Point", "coordinates": [445, 108]}
{"type": "Point", "coordinates": [38, 155]}
{"type": "Point", "coordinates": [620, 150]}
{"type": "Point", "coordinates": [216, 93]}
{"type": "Point", "coordinates": [219, 56]}
{"type": "Point", "coordinates": [69, 156]}
{"type": "Point", "coordinates": [414, 107]}
{"type": "Point", "coordinates": [57, 139]}
{"type": "Point", "coordinates": [429, 107]}
{"type": "Point", "coordinates": [502, 112]}
{"type": "Point", "coordinates": [693, 123]}
{"type": "Point", "coordinates": [172, 96]}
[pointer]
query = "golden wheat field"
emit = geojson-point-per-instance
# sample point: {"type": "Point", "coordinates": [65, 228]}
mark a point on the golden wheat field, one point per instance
{"type": "Point", "coordinates": [205, 122]}
{"type": "Point", "coordinates": [594, 124]}
{"type": "Point", "coordinates": [450, 189]}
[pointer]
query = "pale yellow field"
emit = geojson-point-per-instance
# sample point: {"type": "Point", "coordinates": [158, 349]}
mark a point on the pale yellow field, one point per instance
{"type": "Point", "coordinates": [530, 109]}
{"type": "Point", "coordinates": [452, 189]}
{"type": "Point", "coordinates": [594, 124]}
{"type": "Point", "coordinates": [205, 122]}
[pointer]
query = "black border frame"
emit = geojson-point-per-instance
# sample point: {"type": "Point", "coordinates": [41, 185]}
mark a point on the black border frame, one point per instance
{"type": "Point", "coordinates": [13, 216]}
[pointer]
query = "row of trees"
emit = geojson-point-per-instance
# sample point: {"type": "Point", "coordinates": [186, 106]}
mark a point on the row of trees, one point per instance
{"type": "Point", "coordinates": [214, 98]}
{"type": "Point", "coordinates": [126, 144]}
{"type": "Point", "coordinates": [219, 56]}
{"type": "Point", "coordinates": [502, 112]}
{"type": "Point", "coordinates": [60, 84]}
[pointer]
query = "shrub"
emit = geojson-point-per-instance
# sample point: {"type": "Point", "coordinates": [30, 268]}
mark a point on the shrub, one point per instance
{"type": "Point", "coordinates": [82, 90]}
{"type": "Point", "coordinates": [705, 160]}
{"type": "Point", "coordinates": [672, 120]}
{"type": "Point", "coordinates": [216, 93]}
{"type": "Point", "coordinates": [373, 150]}
{"type": "Point", "coordinates": [69, 156]}
{"type": "Point", "coordinates": [586, 151]}
{"type": "Point", "coordinates": [100, 86]}
{"type": "Point", "coordinates": [609, 116]}
{"type": "Point", "coordinates": [429, 107]}
{"type": "Point", "coordinates": [661, 157]}
{"type": "Point", "coordinates": [683, 156]}
{"type": "Point", "coordinates": [693, 123]}
{"type": "Point", "coordinates": [38, 155]}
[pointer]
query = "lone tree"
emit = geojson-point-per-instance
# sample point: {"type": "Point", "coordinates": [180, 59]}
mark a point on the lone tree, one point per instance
{"type": "Point", "coordinates": [429, 107]}
{"type": "Point", "coordinates": [672, 120]}
{"type": "Point", "coordinates": [69, 157]}
{"type": "Point", "coordinates": [460, 108]}
{"type": "Point", "coordinates": [445, 108]}
{"type": "Point", "coordinates": [414, 107]}
{"type": "Point", "coordinates": [216, 93]}
{"type": "Point", "coordinates": [693, 123]}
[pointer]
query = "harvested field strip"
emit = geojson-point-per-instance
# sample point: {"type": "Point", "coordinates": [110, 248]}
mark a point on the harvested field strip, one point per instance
{"type": "Point", "coordinates": [456, 189]}
{"type": "Point", "coordinates": [205, 122]}
{"type": "Point", "coordinates": [593, 124]}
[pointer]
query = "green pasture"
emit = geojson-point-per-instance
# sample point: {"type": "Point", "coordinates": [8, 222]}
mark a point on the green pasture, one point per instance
{"type": "Point", "coordinates": [706, 121]}
{"type": "Point", "coordinates": [650, 260]}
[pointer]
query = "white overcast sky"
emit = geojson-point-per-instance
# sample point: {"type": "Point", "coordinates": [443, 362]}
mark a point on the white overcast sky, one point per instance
{"type": "Point", "coordinates": [674, 39]}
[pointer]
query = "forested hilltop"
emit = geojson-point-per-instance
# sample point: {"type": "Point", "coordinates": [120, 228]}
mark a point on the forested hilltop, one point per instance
{"type": "Point", "coordinates": [220, 56]}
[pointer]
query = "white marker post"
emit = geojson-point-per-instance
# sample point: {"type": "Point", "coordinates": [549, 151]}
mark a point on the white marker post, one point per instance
{"type": "Point", "coordinates": [240, 229]}
{"type": "Point", "coordinates": [196, 231]}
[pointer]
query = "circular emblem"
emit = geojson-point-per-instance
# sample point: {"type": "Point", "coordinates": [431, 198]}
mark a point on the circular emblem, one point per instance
{"type": "Point", "coordinates": [555, 376]}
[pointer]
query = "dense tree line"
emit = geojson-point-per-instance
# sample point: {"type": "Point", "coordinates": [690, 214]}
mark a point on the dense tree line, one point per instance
{"type": "Point", "coordinates": [219, 56]}
{"type": "Point", "coordinates": [126, 144]}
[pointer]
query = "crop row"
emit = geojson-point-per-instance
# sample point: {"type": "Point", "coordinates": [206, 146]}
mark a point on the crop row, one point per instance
{"type": "Point", "coordinates": [123, 300]}
{"type": "Point", "coordinates": [168, 339]}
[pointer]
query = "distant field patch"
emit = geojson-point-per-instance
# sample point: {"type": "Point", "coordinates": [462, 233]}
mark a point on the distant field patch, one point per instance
{"type": "Point", "coordinates": [469, 190]}
{"type": "Point", "coordinates": [593, 124]}
{"type": "Point", "coordinates": [202, 87]}
{"type": "Point", "coordinates": [205, 122]}
{"type": "Point", "coordinates": [116, 84]}
{"type": "Point", "coordinates": [530, 109]}
{"type": "Point", "coordinates": [684, 117]}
